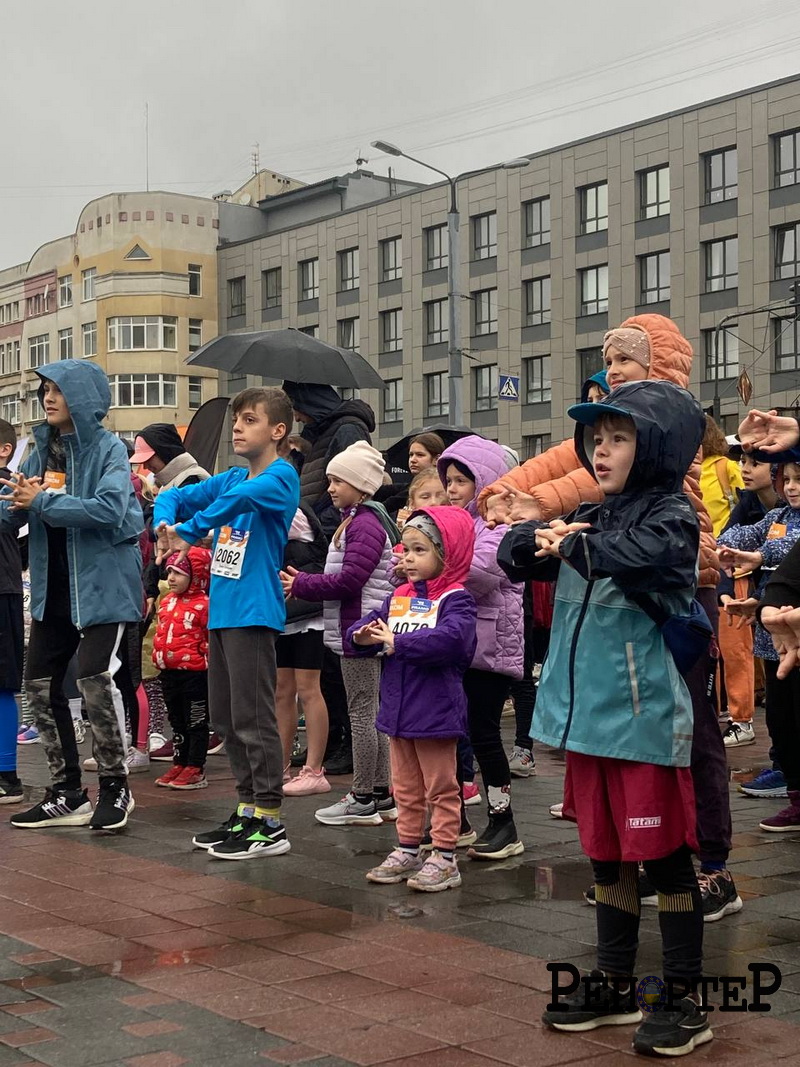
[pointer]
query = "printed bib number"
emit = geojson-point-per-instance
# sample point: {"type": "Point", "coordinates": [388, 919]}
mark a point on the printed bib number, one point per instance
{"type": "Point", "coordinates": [408, 614]}
{"type": "Point", "coordinates": [54, 482]}
{"type": "Point", "coordinates": [229, 552]}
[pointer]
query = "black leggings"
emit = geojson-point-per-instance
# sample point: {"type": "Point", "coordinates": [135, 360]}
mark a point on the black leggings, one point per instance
{"type": "Point", "coordinates": [783, 720]}
{"type": "Point", "coordinates": [486, 695]}
{"type": "Point", "coordinates": [680, 915]}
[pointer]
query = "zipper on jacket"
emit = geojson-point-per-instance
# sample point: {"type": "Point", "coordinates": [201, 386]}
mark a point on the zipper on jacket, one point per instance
{"type": "Point", "coordinates": [70, 533]}
{"type": "Point", "coordinates": [633, 678]}
{"type": "Point", "coordinates": [572, 653]}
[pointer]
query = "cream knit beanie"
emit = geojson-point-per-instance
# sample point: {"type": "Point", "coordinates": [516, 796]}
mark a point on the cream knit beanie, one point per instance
{"type": "Point", "coordinates": [360, 465]}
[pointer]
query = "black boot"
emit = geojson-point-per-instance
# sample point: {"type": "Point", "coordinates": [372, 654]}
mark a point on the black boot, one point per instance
{"type": "Point", "coordinates": [499, 840]}
{"type": "Point", "coordinates": [340, 761]}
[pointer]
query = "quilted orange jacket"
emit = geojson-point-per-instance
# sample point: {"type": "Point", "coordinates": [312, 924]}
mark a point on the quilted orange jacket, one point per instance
{"type": "Point", "coordinates": [558, 481]}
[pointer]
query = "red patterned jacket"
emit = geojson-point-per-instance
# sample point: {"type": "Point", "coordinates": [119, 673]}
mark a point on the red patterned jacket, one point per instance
{"type": "Point", "coordinates": [181, 640]}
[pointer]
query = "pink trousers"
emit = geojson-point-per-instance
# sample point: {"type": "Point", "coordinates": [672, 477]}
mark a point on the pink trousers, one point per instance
{"type": "Point", "coordinates": [424, 776]}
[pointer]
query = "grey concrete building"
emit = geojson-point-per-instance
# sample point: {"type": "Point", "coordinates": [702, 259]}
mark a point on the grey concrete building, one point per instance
{"type": "Point", "coordinates": [694, 214]}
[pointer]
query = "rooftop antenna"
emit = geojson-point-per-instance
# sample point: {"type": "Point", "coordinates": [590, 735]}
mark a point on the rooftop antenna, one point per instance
{"type": "Point", "coordinates": [147, 146]}
{"type": "Point", "coordinates": [255, 158]}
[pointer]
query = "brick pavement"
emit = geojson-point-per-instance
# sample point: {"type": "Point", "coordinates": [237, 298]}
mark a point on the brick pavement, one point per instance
{"type": "Point", "coordinates": [133, 949]}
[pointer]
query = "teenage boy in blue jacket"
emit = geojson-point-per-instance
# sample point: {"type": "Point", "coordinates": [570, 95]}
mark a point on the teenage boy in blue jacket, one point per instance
{"type": "Point", "coordinates": [627, 729]}
{"type": "Point", "coordinates": [250, 509]}
{"type": "Point", "coordinates": [74, 491]}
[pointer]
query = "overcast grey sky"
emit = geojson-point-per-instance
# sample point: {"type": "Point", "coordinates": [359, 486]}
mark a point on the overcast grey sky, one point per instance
{"type": "Point", "coordinates": [463, 83]}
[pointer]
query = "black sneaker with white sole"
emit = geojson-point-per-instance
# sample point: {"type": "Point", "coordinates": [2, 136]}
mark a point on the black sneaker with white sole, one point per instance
{"type": "Point", "coordinates": [114, 804]}
{"type": "Point", "coordinates": [256, 837]}
{"type": "Point", "coordinates": [60, 807]}
{"type": "Point", "coordinates": [586, 1009]}
{"type": "Point", "coordinates": [208, 838]}
{"type": "Point", "coordinates": [10, 788]}
{"type": "Point", "coordinates": [673, 1033]}
{"type": "Point", "coordinates": [719, 895]}
{"type": "Point", "coordinates": [498, 841]}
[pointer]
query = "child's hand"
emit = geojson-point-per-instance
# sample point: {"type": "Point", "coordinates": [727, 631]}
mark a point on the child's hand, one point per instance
{"type": "Point", "coordinates": [374, 633]}
{"type": "Point", "coordinates": [769, 431]}
{"type": "Point", "coordinates": [522, 507]}
{"type": "Point", "coordinates": [735, 559]}
{"type": "Point", "coordinates": [23, 491]}
{"type": "Point", "coordinates": [549, 538]}
{"type": "Point", "coordinates": [168, 542]}
{"type": "Point", "coordinates": [498, 509]}
{"type": "Point", "coordinates": [783, 625]}
{"type": "Point", "coordinates": [403, 515]}
{"type": "Point", "coordinates": [287, 580]}
{"type": "Point", "coordinates": [743, 610]}
{"type": "Point", "coordinates": [398, 564]}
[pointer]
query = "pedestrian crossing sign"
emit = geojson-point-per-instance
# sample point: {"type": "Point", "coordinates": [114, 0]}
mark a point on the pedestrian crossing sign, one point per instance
{"type": "Point", "coordinates": [509, 387]}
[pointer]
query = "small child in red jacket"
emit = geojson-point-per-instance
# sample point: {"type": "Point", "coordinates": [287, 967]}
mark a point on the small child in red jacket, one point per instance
{"type": "Point", "coordinates": [180, 651]}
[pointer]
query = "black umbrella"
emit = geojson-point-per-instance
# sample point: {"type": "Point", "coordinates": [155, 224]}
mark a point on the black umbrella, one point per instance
{"type": "Point", "coordinates": [397, 454]}
{"type": "Point", "coordinates": [287, 354]}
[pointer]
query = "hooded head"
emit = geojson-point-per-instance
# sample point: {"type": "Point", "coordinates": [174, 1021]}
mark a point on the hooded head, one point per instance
{"type": "Point", "coordinates": [160, 439]}
{"type": "Point", "coordinates": [314, 401]}
{"type": "Point", "coordinates": [669, 428]}
{"type": "Point", "coordinates": [457, 536]}
{"type": "Point", "coordinates": [667, 353]}
{"type": "Point", "coordinates": [599, 380]}
{"type": "Point", "coordinates": [86, 391]}
{"type": "Point", "coordinates": [485, 460]}
{"type": "Point", "coordinates": [197, 565]}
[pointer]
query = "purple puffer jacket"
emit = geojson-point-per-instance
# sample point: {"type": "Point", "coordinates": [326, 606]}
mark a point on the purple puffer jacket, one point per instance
{"type": "Point", "coordinates": [355, 580]}
{"type": "Point", "coordinates": [500, 627]}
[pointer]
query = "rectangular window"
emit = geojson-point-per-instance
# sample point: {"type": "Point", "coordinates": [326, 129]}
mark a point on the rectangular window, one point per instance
{"type": "Point", "coordinates": [195, 334]}
{"type": "Point", "coordinates": [533, 444]}
{"type": "Point", "coordinates": [654, 192]}
{"type": "Point", "coordinates": [537, 301]}
{"type": "Point", "coordinates": [393, 400]}
{"type": "Point", "coordinates": [485, 388]}
{"type": "Point", "coordinates": [65, 343]}
{"type": "Point", "coordinates": [437, 404]}
{"type": "Point", "coordinates": [271, 285]}
{"type": "Point", "coordinates": [787, 158]}
{"type": "Point", "coordinates": [143, 333]}
{"type": "Point", "coordinates": [10, 410]}
{"type": "Point", "coordinates": [436, 249]}
{"type": "Point", "coordinates": [348, 270]}
{"type": "Point", "coordinates": [787, 247]}
{"type": "Point", "coordinates": [348, 394]}
{"type": "Point", "coordinates": [594, 207]}
{"type": "Point", "coordinates": [143, 390]}
{"type": "Point", "coordinates": [309, 279]}
{"type": "Point", "coordinates": [728, 362]}
{"type": "Point", "coordinates": [721, 264]}
{"type": "Point", "coordinates": [484, 303]}
{"type": "Point", "coordinates": [590, 361]}
{"type": "Point", "coordinates": [33, 406]}
{"type": "Point", "coordinates": [237, 297]}
{"type": "Point", "coordinates": [720, 173]}
{"type": "Point", "coordinates": [437, 329]}
{"type": "Point", "coordinates": [537, 222]}
{"type": "Point", "coordinates": [391, 330]}
{"type": "Point", "coordinates": [787, 345]}
{"type": "Point", "coordinates": [349, 334]}
{"type": "Point", "coordinates": [11, 361]}
{"type": "Point", "coordinates": [65, 291]}
{"type": "Point", "coordinates": [391, 258]}
{"type": "Point", "coordinates": [195, 392]}
{"type": "Point", "coordinates": [654, 281]}
{"type": "Point", "coordinates": [38, 350]}
{"type": "Point", "coordinates": [89, 332]}
{"type": "Point", "coordinates": [484, 235]}
{"type": "Point", "coordinates": [88, 278]}
{"type": "Point", "coordinates": [536, 380]}
{"type": "Point", "coordinates": [594, 290]}
{"type": "Point", "coordinates": [310, 331]}
{"type": "Point", "coordinates": [195, 279]}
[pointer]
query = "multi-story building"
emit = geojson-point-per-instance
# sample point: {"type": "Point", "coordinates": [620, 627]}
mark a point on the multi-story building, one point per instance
{"type": "Point", "coordinates": [694, 214]}
{"type": "Point", "coordinates": [134, 288]}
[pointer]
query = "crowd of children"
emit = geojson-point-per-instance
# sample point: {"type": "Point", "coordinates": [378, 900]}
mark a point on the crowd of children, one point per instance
{"type": "Point", "coordinates": [436, 612]}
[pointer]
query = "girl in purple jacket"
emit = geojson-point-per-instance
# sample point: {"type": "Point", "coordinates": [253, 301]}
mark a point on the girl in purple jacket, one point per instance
{"type": "Point", "coordinates": [355, 581]}
{"type": "Point", "coordinates": [426, 631]}
{"type": "Point", "coordinates": [465, 468]}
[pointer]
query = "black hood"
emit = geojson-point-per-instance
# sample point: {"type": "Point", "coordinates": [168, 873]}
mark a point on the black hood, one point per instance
{"type": "Point", "coordinates": [164, 440]}
{"type": "Point", "coordinates": [669, 429]}
{"type": "Point", "coordinates": [316, 401]}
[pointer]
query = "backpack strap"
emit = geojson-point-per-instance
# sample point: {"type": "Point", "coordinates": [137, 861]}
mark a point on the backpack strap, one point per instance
{"type": "Point", "coordinates": [653, 610]}
{"type": "Point", "coordinates": [721, 467]}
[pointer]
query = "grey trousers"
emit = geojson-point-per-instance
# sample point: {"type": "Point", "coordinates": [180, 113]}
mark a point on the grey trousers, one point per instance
{"type": "Point", "coordinates": [362, 681]}
{"type": "Point", "coordinates": [241, 700]}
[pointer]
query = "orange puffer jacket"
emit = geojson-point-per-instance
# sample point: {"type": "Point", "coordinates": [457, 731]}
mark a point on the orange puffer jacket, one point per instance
{"type": "Point", "coordinates": [557, 480]}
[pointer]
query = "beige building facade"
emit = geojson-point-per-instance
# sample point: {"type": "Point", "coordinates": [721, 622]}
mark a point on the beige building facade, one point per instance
{"type": "Point", "coordinates": [695, 215]}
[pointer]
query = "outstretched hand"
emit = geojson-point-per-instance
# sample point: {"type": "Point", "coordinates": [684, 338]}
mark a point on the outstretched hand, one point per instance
{"type": "Point", "coordinates": [375, 633]}
{"type": "Point", "coordinates": [736, 559]}
{"type": "Point", "coordinates": [783, 625]}
{"type": "Point", "coordinates": [739, 613]}
{"type": "Point", "coordinates": [287, 578]}
{"type": "Point", "coordinates": [23, 491]}
{"type": "Point", "coordinates": [549, 538]}
{"type": "Point", "coordinates": [168, 542]}
{"type": "Point", "coordinates": [768, 431]}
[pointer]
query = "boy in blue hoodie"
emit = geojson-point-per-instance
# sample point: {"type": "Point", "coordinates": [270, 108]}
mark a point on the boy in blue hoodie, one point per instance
{"type": "Point", "coordinates": [250, 509]}
{"type": "Point", "coordinates": [74, 491]}
{"type": "Point", "coordinates": [627, 730]}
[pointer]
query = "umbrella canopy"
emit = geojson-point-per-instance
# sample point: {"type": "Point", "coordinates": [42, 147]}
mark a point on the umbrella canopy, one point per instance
{"type": "Point", "coordinates": [287, 354]}
{"type": "Point", "coordinates": [397, 454]}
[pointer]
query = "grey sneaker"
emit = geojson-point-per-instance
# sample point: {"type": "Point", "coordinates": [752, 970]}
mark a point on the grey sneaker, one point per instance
{"type": "Point", "coordinates": [397, 866]}
{"type": "Point", "coordinates": [738, 733]}
{"type": "Point", "coordinates": [521, 762]}
{"type": "Point", "coordinates": [348, 812]}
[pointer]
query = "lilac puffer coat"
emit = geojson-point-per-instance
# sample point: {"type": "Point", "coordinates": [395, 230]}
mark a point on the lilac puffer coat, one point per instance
{"type": "Point", "coordinates": [500, 626]}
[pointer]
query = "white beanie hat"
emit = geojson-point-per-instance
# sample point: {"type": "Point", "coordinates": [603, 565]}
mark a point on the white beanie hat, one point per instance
{"type": "Point", "coordinates": [360, 465]}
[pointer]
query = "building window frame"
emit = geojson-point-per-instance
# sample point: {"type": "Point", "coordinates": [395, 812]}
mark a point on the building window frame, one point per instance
{"type": "Point", "coordinates": [484, 312]}
{"type": "Point", "coordinates": [534, 444]}
{"type": "Point", "coordinates": [593, 290]}
{"type": "Point", "coordinates": [536, 214]}
{"type": "Point", "coordinates": [89, 338]}
{"type": "Point", "coordinates": [308, 278]}
{"type": "Point", "coordinates": [720, 264]}
{"type": "Point", "coordinates": [88, 284]}
{"type": "Point", "coordinates": [728, 355]}
{"type": "Point", "coordinates": [348, 333]}
{"type": "Point", "coordinates": [720, 175]}
{"type": "Point", "coordinates": [787, 239]}
{"type": "Point", "coordinates": [237, 296]}
{"type": "Point", "coordinates": [437, 322]}
{"type": "Point", "coordinates": [143, 390]}
{"type": "Point", "coordinates": [142, 333]}
{"type": "Point", "coordinates": [654, 278]}
{"type": "Point", "coordinates": [65, 343]}
{"type": "Point", "coordinates": [593, 201]}
{"type": "Point", "coordinates": [484, 235]}
{"type": "Point", "coordinates": [537, 301]}
{"type": "Point", "coordinates": [390, 254]}
{"type": "Point", "coordinates": [195, 275]}
{"type": "Point", "coordinates": [392, 330]}
{"type": "Point", "coordinates": [195, 387]}
{"type": "Point", "coordinates": [392, 400]}
{"type": "Point", "coordinates": [536, 379]}
{"type": "Point", "coordinates": [195, 334]}
{"type": "Point", "coordinates": [485, 387]}
{"type": "Point", "coordinates": [436, 247]}
{"type": "Point", "coordinates": [271, 288]}
{"type": "Point", "coordinates": [65, 291]}
{"type": "Point", "coordinates": [436, 394]}
{"type": "Point", "coordinates": [654, 192]}
{"type": "Point", "coordinates": [786, 170]}
{"type": "Point", "coordinates": [349, 271]}
{"type": "Point", "coordinates": [38, 350]}
{"type": "Point", "coordinates": [786, 340]}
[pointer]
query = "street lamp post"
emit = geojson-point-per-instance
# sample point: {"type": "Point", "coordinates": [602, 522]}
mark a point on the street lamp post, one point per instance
{"type": "Point", "coordinates": [454, 350]}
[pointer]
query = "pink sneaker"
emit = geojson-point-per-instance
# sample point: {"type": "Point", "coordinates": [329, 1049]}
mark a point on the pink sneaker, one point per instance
{"type": "Point", "coordinates": [306, 783]}
{"type": "Point", "coordinates": [471, 793]}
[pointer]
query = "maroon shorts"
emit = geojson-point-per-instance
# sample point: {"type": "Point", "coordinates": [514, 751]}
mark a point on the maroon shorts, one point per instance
{"type": "Point", "coordinates": [629, 811]}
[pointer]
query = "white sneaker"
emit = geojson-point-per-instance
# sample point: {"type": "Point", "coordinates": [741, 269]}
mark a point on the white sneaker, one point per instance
{"type": "Point", "coordinates": [557, 811]}
{"type": "Point", "coordinates": [348, 812]}
{"type": "Point", "coordinates": [155, 741]}
{"type": "Point", "coordinates": [90, 764]}
{"type": "Point", "coordinates": [739, 733]}
{"type": "Point", "coordinates": [521, 762]}
{"type": "Point", "coordinates": [397, 867]}
{"type": "Point", "coordinates": [136, 761]}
